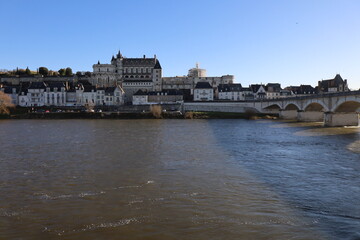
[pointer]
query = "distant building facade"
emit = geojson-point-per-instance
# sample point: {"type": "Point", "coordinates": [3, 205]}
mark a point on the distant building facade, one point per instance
{"type": "Point", "coordinates": [132, 74]}
{"type": "Point", "coordinates": [203, 92]}
{"type": "Point", "coordinates": [337, 84]}
{"type": "Point", "coordinates": [161, 97]}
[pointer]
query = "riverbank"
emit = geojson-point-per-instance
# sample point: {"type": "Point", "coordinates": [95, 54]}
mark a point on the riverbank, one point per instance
{"type": "Point", "coordinates": [138, 115]}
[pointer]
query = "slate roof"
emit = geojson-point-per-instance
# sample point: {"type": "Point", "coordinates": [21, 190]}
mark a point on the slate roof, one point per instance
{"type": "Point", "coordinates": [255, 87]}
{"type": "Point", "coordinates": [57, 85]}
{"type": "Point", "coordinates": [236, 87]}
{"type": "Point", "coordinates": [203, 85]}
{"type": "Point", "coordinates": [88, 88]}
{"type": "Point", "coordinates": [9, 89]}
{"type": "Point", "coordinates": [109, 91]}
{"type": "Point", "coordinates": [245, 89]}
{"type": "Point", "coordinates": [139, 62]}
{"type": "Point", "coordinates": [24, 87]}
{"type": "Point", "coordinates": [37, 85]}
{"type": "Point", "coordinates": [140, 93]}
{"type": "Point", "coordinates": [157, 65]}
{"type": "Point", "coordinates": [324, 85]}
{"type": "Point", "coordinates": [302, 89]}
{"type": "Point", "coordinates": [85, 82]}
{"type": "Point", "coordinates": [273, 87]}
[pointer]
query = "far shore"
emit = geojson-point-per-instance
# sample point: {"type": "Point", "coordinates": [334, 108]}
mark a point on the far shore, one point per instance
{"type": "Point", "coordinates": [137, 115]}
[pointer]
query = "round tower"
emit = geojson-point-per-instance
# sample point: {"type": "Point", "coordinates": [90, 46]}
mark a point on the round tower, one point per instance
{"type": "Point", "coordinates": [197, 72]}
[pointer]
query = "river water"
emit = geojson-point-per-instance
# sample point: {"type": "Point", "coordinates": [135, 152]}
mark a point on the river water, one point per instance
{"type": "Point", "coordinates": [178, 179]}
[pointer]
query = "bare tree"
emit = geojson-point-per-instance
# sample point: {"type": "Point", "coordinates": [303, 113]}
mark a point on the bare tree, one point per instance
{"type": "Point", "coordinates": [156, 111]}
{"type": "Point", "coordinates": [5, 103]}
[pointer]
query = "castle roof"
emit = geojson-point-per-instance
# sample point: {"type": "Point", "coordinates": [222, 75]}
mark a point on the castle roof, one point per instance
{"type": "Point", "coordinates": [157, 65]}
{"type": "Point", "coordinates": [136, 62]}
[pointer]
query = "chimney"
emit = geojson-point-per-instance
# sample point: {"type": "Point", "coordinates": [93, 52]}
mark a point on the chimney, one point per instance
{"type": "Point", "coordinates": [155, 56]}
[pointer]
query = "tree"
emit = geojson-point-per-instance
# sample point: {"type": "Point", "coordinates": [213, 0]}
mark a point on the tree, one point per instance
{"type": "Point", "coordinates": [68, 72]}
{"type": "Point", "coordinates": [5, 103]}
{"type": "Point", "coordinates": [27, 71]}
{"type": "Point", "coordinates": [43, 71]}
{"type": "Point", "coordinates": [156, 111]}
{"type": "Point", "coordinates": [53, 73]}
{"type": "Point", "coordinates": [62, 72]}
{"type": "Point", "coordinates": [88, 74]}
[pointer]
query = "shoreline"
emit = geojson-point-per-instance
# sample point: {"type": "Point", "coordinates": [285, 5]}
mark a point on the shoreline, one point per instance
{"type": "Point", "coordinates": [137, 115]}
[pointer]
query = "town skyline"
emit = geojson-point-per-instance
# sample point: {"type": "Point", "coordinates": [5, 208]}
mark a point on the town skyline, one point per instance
{"type": "Point", "coordinates": [291, 43]}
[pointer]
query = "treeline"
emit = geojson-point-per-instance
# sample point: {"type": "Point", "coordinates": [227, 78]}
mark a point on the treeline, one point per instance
{"type": "Point", "coordinates": [44, 71]}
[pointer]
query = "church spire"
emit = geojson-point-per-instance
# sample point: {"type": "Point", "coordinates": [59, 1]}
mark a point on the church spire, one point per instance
{"type": "Point", "coordinates": [119, 55]}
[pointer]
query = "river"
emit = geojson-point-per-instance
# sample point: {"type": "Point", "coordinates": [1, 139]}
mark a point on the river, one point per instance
{"type": "Point", "coordinates": [178, 179]}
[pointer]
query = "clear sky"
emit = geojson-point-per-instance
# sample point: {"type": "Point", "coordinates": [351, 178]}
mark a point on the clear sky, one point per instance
{"type": "Point", "coordinates": [292, 42]}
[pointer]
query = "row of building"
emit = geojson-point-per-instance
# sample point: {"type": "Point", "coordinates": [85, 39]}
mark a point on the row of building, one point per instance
{"type": "Point", "coordinates": [63, 94]}
{"type": "Point", "coordinates": [139, 81]}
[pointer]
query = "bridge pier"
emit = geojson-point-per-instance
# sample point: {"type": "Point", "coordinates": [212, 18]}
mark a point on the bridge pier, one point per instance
{"type": "Point", "coordinates": [332, 119]}
{"type": "Point", "coordinates": [288, 114]}
{"type": "Point", "coordinates": [310, 116]}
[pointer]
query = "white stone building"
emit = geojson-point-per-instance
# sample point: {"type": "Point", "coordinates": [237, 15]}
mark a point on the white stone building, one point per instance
{"type": "Point", "coordinates": [157, 97]}
{"type": "Point", "coordinates": [35, 94]}
{"type": "Point", "coordinates": [55, 94]}
{"type": "Point", "coordinates": [258, 90]}
{"type": "Point", "coordinates": [231, 92]}
{"type": "Point", "coordinates": [203, 92]}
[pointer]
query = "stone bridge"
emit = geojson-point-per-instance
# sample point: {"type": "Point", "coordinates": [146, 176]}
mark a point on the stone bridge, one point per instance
{"type": "Point", "coordinates": [334, 109]}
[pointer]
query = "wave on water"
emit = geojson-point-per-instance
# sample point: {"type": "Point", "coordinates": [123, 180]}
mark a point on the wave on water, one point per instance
{"type": "Point", "coordinates": [8, 213]}
{"type": "Point", "coordinates": [93, 226]}
{"type": "Point", "coordinates": [64, 196]}
{"type": "Point", "coordinates": [115, 224]}
{"type": "Point", "coordinates": [354, 147]}
{"type": "Point", "coordinates": [134, 186]}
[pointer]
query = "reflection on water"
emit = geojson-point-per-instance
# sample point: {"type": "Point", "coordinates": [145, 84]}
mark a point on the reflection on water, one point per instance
{"type": "Point", "coordinates": [321, 131]}
{"type": "Point", "coordinates": [355, 146]}
{"type": "Point", "coordinates": [177, 179]}
{"type": "Point", "coordinates": [289, 124]}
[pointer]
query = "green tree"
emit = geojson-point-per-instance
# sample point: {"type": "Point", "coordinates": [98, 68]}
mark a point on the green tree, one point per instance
{"type": "Point", "coordinates": [62, 72]}
{"type": "Point", "coordinates": [68, 72]}
{"type": "Point", "coordinates": [43, 71]}
{"type": "Point", "coordinates": [27, 71]}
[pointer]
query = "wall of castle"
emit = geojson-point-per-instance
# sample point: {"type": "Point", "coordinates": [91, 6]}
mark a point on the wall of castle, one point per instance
{"type": "Point", "coordinates": [186, 82]}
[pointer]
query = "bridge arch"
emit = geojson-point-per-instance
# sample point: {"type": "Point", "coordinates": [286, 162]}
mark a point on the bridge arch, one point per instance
{"type": "Point", "coordinates": [274, 106]}
{"type": "Point", "coordinates": [314, 107]}
{"type": "Point", "coordinates": [292, 106]}
{"type": "Point", "coordinates": [347, 106]}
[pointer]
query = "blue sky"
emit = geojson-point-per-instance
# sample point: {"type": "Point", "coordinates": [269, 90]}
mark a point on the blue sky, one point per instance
{"type": "Point", "coordinates": [292, 42]}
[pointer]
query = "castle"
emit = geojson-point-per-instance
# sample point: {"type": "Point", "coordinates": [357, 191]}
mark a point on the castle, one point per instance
{"type": "Point", "coordinates": [132, 74]}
